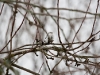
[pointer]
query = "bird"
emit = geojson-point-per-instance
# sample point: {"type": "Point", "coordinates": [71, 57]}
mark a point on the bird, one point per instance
{"type": "Point", "coordinates": [49, 37]}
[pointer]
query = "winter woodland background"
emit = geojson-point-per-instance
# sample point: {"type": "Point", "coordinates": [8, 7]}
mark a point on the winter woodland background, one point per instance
{"type": "Point", "coordinates": [24, 25]}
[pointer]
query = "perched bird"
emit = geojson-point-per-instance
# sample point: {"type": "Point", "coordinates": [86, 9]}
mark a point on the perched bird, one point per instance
{"type": "Point", "coordinates": [49, 37]}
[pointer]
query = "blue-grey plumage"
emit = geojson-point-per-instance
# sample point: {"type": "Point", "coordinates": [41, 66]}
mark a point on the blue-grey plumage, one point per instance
{"type": "Point", "coordinates": [50, 37]}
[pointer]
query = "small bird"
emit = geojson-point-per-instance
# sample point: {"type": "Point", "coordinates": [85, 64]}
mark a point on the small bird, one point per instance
{"type": "Point", "coordinates": [50, 37]}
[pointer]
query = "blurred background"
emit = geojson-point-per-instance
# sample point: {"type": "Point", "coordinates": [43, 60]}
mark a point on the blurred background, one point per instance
{"type": "Point", "coordinates": [75, 25]}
